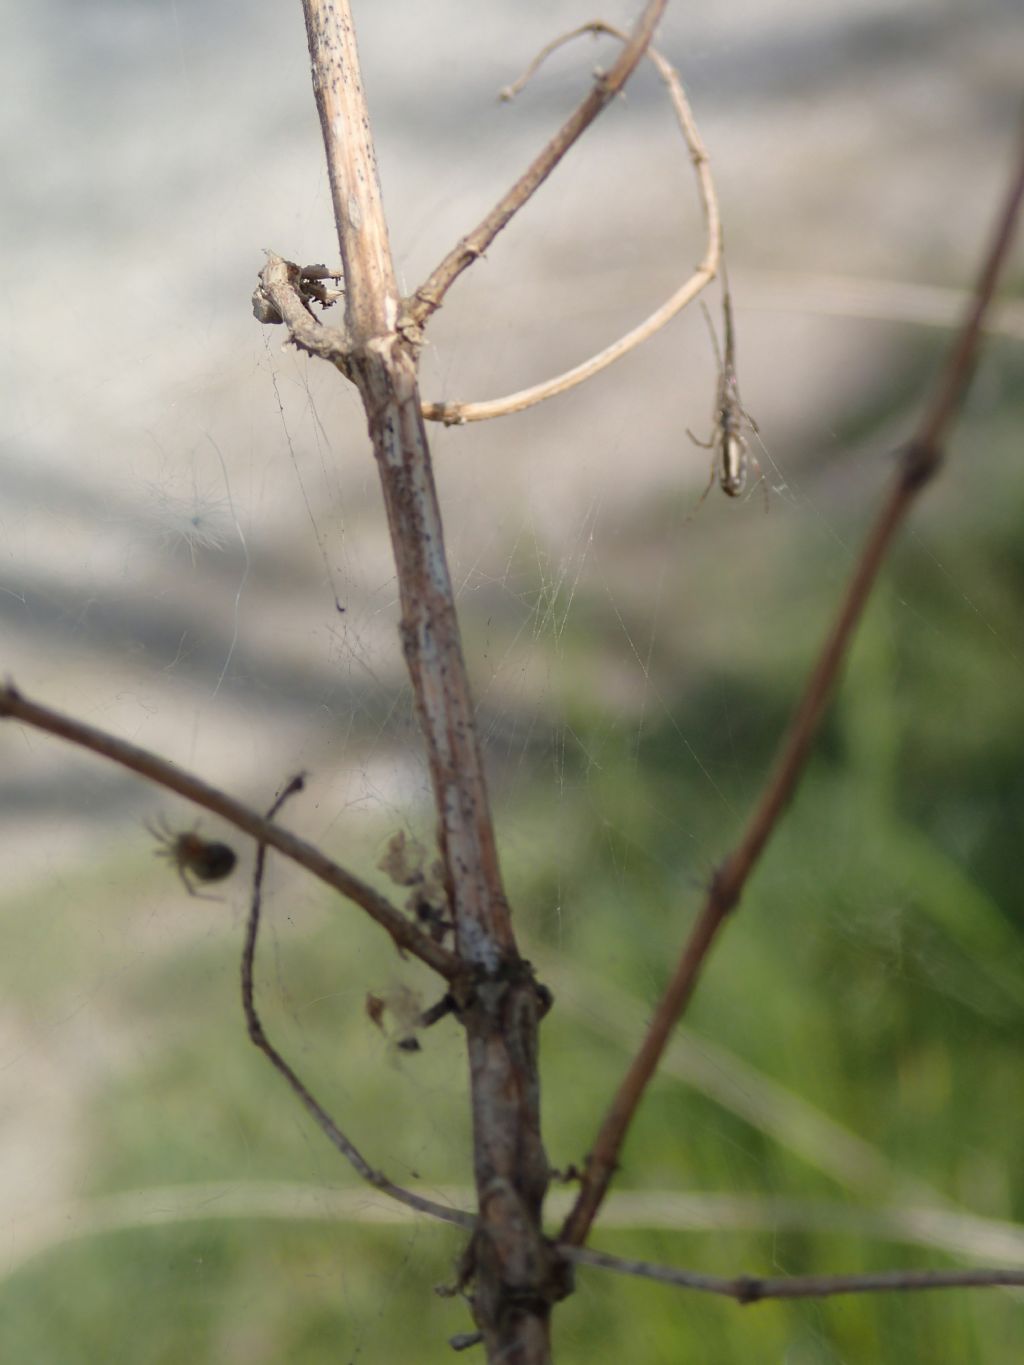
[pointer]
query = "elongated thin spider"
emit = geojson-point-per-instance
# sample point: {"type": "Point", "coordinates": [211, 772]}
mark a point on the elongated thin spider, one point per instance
{"type": "Point", "coordinates": [731, 454]}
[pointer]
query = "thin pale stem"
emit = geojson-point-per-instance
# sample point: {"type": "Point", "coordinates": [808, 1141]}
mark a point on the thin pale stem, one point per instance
{"type": "Point", "coordinates": [429, 296]}
{"type": "Point", "coordinates": [456, 412]}
{"type": "Point", "coordinates": [382, 365]}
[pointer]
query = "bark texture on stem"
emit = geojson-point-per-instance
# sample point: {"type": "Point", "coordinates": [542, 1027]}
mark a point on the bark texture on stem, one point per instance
{"type": "Point", "coordinates": [510, 1267]}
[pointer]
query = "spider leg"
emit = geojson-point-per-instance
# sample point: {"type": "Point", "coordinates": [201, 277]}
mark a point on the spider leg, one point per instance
{"type": "Point", "coordinates": [190, 888]}
{"type": "Point", "coordinates": [159, 829]}
{"type": "Point", "coordinates": [710, 484]}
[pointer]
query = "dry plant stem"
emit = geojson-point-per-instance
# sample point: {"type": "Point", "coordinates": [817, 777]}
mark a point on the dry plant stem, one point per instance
{"type": "Point", "coordinates": [381, 365]}
{"type": "Point", "coordinates": [458, 412]}
{"type": "Point", "coordinates": [404, 933]}
{"type": "Point", "coordinates": [334, 1134]}
{"type": "Point", "coordinates": [511, 1269]}
{"type": "Point", "coordinates": [747, 1289]}
{"type": "Point", "coordinates": [917, 465]}
{"type": "Point", "coordinates": [430, 295]}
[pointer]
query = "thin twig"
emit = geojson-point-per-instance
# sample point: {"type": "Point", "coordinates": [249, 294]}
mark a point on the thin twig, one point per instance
{"type": "Point", "coordinates": [345, 1146]}
{"type": "Point", "coordinates": [919, 462]}
{"type": "Point", "coordinates": [456, 412]}
{"type": "Point", "coordinates": [735, 1085]}
{"type": "Point", "coordinates": [402, 930]}
{"type": "Point", "coordinates": [747, 1289]}
{"type": "Point", "coordinates": [429, 296]}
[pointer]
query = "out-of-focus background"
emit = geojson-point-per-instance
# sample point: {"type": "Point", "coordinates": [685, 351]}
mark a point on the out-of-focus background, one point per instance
{"type": "Point", "coordinates": [185, 507]}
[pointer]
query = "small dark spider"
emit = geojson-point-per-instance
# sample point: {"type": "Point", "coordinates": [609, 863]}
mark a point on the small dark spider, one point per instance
{"type": "Point", "coordinates": [204, 859]}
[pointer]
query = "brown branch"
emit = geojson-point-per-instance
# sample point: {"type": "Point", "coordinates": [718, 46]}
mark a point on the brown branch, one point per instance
{"type": "Point", "coordinates": [513, 1269]}
{"type": "Point", "coordinates": [747, 1289]}
{"type": "Point", "coordinates": [425, 301]}
{"type": "Point", "coordinates": [345, 1146]}
{"type": "Point", "coordinates": [918, 463]}
{"type": "Point", "coordinates": [404, 933]}
{"type": "Point", "coordinates": [456, 412]}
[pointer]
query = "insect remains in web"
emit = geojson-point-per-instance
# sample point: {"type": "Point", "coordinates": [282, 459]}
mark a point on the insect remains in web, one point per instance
{"type": "Point", "coordinates": [731, 456]}
{"type": "Point", "coordinates": [206, 860]}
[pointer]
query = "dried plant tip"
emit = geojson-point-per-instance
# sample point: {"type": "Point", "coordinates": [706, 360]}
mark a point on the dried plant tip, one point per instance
{"type": "Point", "coordinates": [403, 859]}
{"type": "Point", "coordinates": [375, 1008]}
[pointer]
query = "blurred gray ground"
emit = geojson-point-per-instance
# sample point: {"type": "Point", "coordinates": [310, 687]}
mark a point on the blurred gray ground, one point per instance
{"type": "Point", "coordinates": [153, 150]}
{"type": "Point", "coordinates": [169, 565]}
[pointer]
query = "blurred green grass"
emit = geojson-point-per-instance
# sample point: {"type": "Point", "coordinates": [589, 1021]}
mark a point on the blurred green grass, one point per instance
{"type": "Point", "coordinates": [875, 968]}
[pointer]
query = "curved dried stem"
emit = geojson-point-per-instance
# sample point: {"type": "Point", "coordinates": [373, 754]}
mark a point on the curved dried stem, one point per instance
{"type": "Point", "coordinates": [456, 413]}
{"type": "Point", "coordinates": [426, 300]}
{"type": "Point", "coordinates": [337, 1138]}
{"type": "Point", "coordinates": [920, 461]}
{"type": "Point", "coordinates": [747, 1289]}
{"type": "Point", "coordinates": [405, 934]}
{"type": "Point", "coordinates": [284, 293]}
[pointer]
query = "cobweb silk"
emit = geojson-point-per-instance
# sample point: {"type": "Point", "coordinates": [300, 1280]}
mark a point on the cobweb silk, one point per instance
{"type": "Point", "coordinates": [195, 557]}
